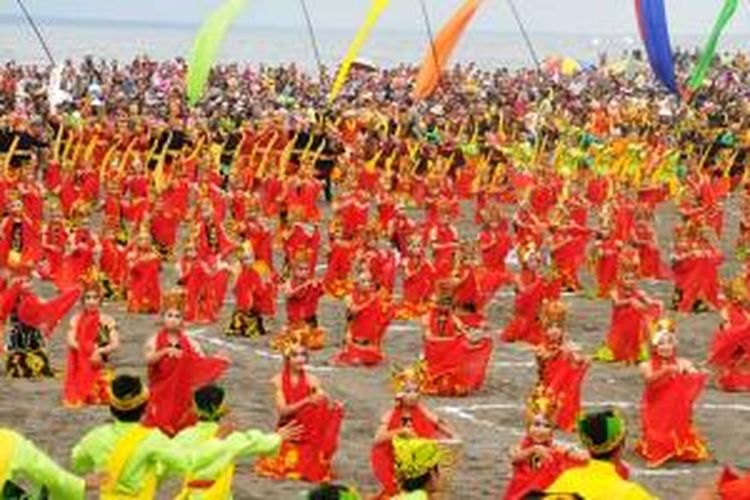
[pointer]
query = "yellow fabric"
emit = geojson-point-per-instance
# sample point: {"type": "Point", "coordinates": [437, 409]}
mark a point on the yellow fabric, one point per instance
{"type": "Point", "coordinates": [123, 451]}
{"type": "Point", "coordinates": [7, 448]}
{"type": "Point", "coordinates": [376, 9]}
{"type": "Point", "coordinates": [598, 480]}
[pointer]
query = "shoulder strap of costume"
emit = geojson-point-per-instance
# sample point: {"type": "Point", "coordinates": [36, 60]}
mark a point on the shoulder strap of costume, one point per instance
{"type": "Point", "coordinates": [7, 450]}
{"type": "Point", "coordinates": [123, 452]}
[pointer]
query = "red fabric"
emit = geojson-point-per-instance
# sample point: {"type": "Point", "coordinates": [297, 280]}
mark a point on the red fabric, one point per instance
{"type": "Point", "coordinates": [367, 326]}
{"type": "Point", "coordinates": [667, 430]}
{"type": "Point", "coordinates": [30, 242]}
{"type": "Point", "coordinates": [531, 293]}
{"type": "Point", "coordinates": [528, 476]}
{"type": "Point", "coordinates": [84, 383]}
{"type": "Point", "coordinates": [731, 486]}
{"type": "Point", "coordinates": [172, 382]}
{"type": "Point", "coordinates": [564, 377]}
{"type": "Point", "coordinates": [381, 456]}
{"type": "Point", "coordinates": [113, 261]}
{"type": "Point", "coordinates": [45, 314]}
{"type": "Point", "coordinates": [299, 239]}
{"type": "Point", "coordinates": [340, 262]}
{"type": "Point", "coordinates": [418, 283]}
{"type": "Point", "coordinates": [697, 277]}
{"type": "Point", "coordinates": [205, 290]}
{"type": "Point", "coordinates": [144, 284]}
{"type": "Point", "coordinates": [606, 266]}
{"type": "Point", "coordinates": [320, 422]}
{"type": "Point", "coordinates": [628, 331]}
{"type": "Point", "coordinates": [252, 291]}
{"type": "Point", "coordinates": [730, 350]}
{"type": "Point", "coordinates": [456, 366]}
{"type": "Point", "coordinates": [302, 302]}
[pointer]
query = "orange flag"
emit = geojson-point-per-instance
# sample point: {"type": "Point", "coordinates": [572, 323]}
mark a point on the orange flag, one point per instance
{"type": "Point", "coordinates": [445, 43]}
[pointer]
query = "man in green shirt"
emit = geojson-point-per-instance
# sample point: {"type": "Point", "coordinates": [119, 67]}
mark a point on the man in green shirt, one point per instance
{"type": "Point", "coordinates": [133, 458]}
{"type": "Point", "coordinates": [213, 447]}
{"type": "Point", "coordinates": [22, 462]}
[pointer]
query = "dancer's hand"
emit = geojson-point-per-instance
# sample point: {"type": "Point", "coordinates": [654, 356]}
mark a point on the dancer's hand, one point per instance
{"type": "Point", "coordinates": [290, 432]}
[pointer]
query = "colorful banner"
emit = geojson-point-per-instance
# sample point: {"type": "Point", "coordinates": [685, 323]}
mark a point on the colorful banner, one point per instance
{"type": "Point", "coordinates": [377, 8]}
{"type": "Point", "coordinates": [206, 47]}
{"type": "Point", "coordinates": [709, 51]}
{"type": "Point", "coordinates": [445, 43]}
{"type": "Point", "coordinates": [652, 23]}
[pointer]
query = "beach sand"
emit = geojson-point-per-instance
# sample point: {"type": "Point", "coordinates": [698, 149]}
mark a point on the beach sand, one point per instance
{"type": "Point", "coordinates": [489, 422]}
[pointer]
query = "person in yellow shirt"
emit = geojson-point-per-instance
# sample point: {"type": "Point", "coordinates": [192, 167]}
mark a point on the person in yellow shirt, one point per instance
{"type": "Point", "coordinates": [22, 462]}
{"type": "Point", "coordinates": [604, 477]}
{"type": "Point", "coordinates": [133, 458]}
{"type": "Point", "coordinates": [214, 446]}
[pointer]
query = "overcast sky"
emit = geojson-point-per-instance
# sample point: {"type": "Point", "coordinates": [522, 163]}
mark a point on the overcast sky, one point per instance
{"type": "Point", "coordinates": [577, 16]}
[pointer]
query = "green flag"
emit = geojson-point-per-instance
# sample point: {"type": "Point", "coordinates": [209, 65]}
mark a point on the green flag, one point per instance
{"type": "Point", "coordinates": [206, 46]}
{"type": "Point", "coordinates": [709, 51]}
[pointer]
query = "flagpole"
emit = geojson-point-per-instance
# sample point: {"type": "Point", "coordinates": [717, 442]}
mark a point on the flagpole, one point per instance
{"type": "Point", "coordinates": [524, 33]}
{"type": "Point", "coordinates": [428, 27]}
{"type": "Point", "coordinates": [36, 32]}
{"type": "Point", "coordinates": [313, 38]}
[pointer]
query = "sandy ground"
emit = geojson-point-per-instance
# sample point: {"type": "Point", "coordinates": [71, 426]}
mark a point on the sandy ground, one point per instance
{"type": "Point", "coordinates": [489, 421]}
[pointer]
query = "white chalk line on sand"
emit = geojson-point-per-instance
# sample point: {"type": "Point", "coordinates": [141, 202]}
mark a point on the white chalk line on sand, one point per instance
{"type": "Point", "coordinates": [616, 404]}
{"type": "Point", "coordinates": [261, 353]}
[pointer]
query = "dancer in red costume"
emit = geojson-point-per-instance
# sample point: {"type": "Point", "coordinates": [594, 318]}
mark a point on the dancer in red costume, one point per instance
{"type": "Point", "coordinates": [644, 239]}
{"type": "Point", "coordinates": [20, 238]}
{"type": "Point", "coordinates": [92, 339]}
{"type": "Point", "coordinates": [696, 269]}
{"type": "Point", "coordinates": [444, 239]}
{"type": "Point", "coordinates": [455, 364]}
{"type": "Point", "coordinates": [301, 238]}
{"type": "Point", "coordinates": [408, 418]}
{"type": "Point", "coordinates": [418, 281]}
{"type": "Point", "coordinates": [205, 281]}
{"type": "Point", "coordinates": [673, 385]}
{"type": "Point", "coordinates": [176, 367]}
{"type": "Point", "coordinates": [730, 349]}
{"type": "Point", "coordinates": [568, 248]}
{"type": "Point", "coordinates": [113, 262]}
{"type": "Point", "coordinates": [303, 293]}
{"type": "Point", "coordinates": [562, 368]}
{"type": "Point", "coordinates": [606, 261]}
{"type": "Point", "coordinates": [369, 311]}
{"type": "Point", "coordinates": [537, 461]}
{"type": "Point", "coordinates": [532, 289]}
{"type": "Point", "coordinates": [341, 254]}
{"type": "Point", "coordinates": [300, 398]}
{"type": "Point", "coordinates": [632, 311]}
{"type": "Point", "coordinates": [494, 244]}
{"type": "Point", "coordinates": [470, 295]}
{"type": "Point", "coordinates": [255, 297]}
{"type": "Point", "coordinates": [143, 281]}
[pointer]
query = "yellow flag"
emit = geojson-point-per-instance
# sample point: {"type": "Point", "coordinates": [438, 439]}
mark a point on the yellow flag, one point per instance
{"type": "Point", "coordinates": [377, 8]}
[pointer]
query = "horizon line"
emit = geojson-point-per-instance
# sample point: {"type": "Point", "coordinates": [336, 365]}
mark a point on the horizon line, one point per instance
{"type": "Point", "coordinates": [6, 19]}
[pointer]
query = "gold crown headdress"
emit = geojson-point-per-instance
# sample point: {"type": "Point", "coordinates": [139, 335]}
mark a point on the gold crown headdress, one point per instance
{"type": "Point", "coordinates": [662, 327]}
{"type": "Point", "coordinates": [173, 299]}
{"type": "Point", "coordinates": [542, 401]}
{"type": "Point", "coordinates": [412, 374]}
{"type": "Point", "coordinates": [554, 312]}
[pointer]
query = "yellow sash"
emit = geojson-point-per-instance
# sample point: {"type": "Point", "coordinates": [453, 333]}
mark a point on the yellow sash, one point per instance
{"type": "Point", "coordinates": [7, 449]}
{"type": "Point", "coordinates": [124, 450]}
{"type": "Point", "coordinates": [221, 489]}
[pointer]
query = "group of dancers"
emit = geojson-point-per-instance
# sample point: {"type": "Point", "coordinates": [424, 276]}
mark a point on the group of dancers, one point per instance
{"type": "Point", "coordinates": [112, 213]}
